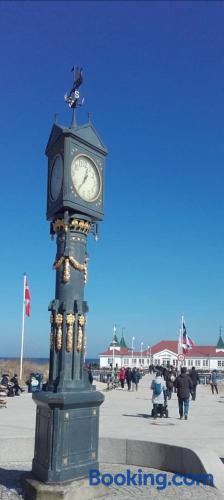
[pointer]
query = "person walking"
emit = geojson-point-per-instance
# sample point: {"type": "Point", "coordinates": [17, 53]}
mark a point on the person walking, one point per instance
{"type": "Point", "coordinates": [170, 378]}
{"type": "Point", "coordinates": [213, 381]}
{"type": "Point", "coordinates": [90, 375]}
{"type": "Point", "coordinates": [184, 386]}
{"type": "Point", "coordinates": [128, 377]}
{"type": "Point", "coordinates": [135, 377]}
{"type": "Point", "coordinates": [158, 387]}
{"type": "Point", "coordinates": [195, 381]}
{"type": "Point", "coordinates": [122, 377]}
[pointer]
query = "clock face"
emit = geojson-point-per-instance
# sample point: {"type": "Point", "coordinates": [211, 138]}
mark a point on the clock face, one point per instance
{"type": "Point", "coordinates": [56, 177]}
{"type": "Point", "coordinates": [86, 178]}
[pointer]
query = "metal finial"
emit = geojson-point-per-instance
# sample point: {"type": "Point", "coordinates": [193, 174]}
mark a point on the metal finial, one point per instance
{"type": "Point", "coordinates": [89, 117]}
{"type": "Point", "coordinates": [56, 118]}
{"type": "Point", "coordinates": [74, 122]}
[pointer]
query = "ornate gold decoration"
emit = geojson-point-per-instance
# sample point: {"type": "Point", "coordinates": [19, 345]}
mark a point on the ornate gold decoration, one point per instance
{"type": "Point", "coordinates": [60, 225]}
{"type": "Point", "coordinates": [82, 320]}
{"type": "Point", "coordinates": [80, 267]}
{"type": "Point", "coordinates": [81, 323]}
{"type": "Point", "coordinates": [79, 339]}
{"type": "Point", "coordinates": [58, 263]}
{"type": "Point", "coordinates": [75, 264]}
{"type": "Point", "coordinates": [58, 321]}
{"type": "Point", "coordinates": [66, 274]}
{"type": "Point", "coordinates": [52, 332]}
{"type": "Point", "coordinates": [70, 318]}
{"type": "Point", "coordinates": [80, 225]}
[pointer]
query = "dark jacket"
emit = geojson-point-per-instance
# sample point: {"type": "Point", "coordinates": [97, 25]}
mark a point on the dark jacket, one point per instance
{"type": "Point", "coordinates": [128, 375]}
{"type": "Point", "coordinates": [184, 385]}
{"type": "Point", "coordinates": [90, 375]}
{"type": "Point", "coordinates": [170, 379]}
{"type": "Point", "coordinates": [135, 376]}
{"type": "Point", "coordinates": [194, 377]}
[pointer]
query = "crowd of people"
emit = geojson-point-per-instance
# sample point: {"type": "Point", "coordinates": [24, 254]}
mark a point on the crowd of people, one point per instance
{"type": "Point", "coordinates": [120, 377]}
{"type": "Point", "coordinates": [132, 378]}
{"type": "Point", "coordinates": [167, 381]}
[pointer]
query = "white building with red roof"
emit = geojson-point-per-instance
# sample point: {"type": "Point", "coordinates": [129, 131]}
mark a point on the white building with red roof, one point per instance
{"type": "Point", "coordinates": [203, 357]}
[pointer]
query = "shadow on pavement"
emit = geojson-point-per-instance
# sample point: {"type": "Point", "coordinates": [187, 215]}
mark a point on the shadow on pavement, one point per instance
{"type": "Point", "coordinates": [141, 415]}
{"type": "Point", "coordinates": [10, 479]}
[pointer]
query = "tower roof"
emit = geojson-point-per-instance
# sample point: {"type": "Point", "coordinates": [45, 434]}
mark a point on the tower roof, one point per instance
{"type": "Point", "coordinates": [122, 342]}
{"type": "Point", "coordinates": [115, 341]}
{"type": "Point", "coordinates": [86, 134]}
{"type": "Point", "coordinates": [220, 343]}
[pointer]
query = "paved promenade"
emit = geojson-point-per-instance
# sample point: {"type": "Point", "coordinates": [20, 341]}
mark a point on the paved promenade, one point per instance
{"type": "Point", "coordinates": [123, 415]}
{"type": "Point", "coordinates": [126, 415]}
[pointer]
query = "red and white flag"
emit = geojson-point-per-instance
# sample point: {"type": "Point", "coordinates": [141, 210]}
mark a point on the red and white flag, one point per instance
{"type": "Point", "coordinates": [27, 297]}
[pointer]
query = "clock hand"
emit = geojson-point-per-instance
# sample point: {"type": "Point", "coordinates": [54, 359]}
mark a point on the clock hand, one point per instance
{"type": "Point", "coordinates": [84, 180]}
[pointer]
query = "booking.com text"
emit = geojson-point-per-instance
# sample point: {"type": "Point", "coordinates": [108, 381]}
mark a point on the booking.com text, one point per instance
{"type": "Point", "coordinates": [160, 480]}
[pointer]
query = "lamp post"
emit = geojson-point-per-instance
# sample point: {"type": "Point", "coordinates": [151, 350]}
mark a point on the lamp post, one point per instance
{"type": "Point", "coordinates": [148, 354]}
{"type": "Point", "coordinates": [141, 353]}
{"type": "Point", "coordinates": [122, 345]}
{"type": "Point", "coordinates": [132, 347]}
{"type": "Point", "coordinates": [113, 347]}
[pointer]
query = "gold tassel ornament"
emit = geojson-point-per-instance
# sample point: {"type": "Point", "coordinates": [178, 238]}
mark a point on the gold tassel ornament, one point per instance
{"type": "Point", "coordinates": [58, 321]}
{"type": "Point", "coordinates": [70, 319]}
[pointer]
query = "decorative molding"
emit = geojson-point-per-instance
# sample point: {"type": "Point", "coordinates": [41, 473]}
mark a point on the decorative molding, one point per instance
{"type": "Point", "coordinates": [52, 332]}
{"type": "Point", "coordinates": [66, 273]}
{"type": "Point", "coordinates": [70, 319]}
{"type": "Point", "coordinates": [58, 321]}
{"type": "Point", "coordinates": [60, 225]}
{"type": "Point", "coordinates": [79, 225]}
{"type": "Point", "coordinates": [71, 261]}
{"type": "Point", "coordinates": [80, 338]}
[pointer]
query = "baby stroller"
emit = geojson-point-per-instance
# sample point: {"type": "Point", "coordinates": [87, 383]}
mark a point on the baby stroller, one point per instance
{"type": "Point", "coordinates": [162, 410]}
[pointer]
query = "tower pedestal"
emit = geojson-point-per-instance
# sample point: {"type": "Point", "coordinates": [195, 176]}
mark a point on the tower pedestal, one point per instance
{"type": "Point", "coordinates": [67, 433]}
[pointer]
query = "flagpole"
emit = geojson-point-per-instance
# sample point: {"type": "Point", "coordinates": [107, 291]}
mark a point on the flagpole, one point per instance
{"type": "Point", "coordinates": [180, 343]}
{"type": "Point", "coordinates": [22, 332]}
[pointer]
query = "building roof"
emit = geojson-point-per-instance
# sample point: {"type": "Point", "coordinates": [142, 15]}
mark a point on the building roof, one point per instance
{"type": "Point", "coordinates": [220, 343]}
{"type": "Point", "coordinates": [170, 345]}
{"type": "Point", "coordinates": [115, 341]}
{"type": "Point", "coordinates": [123, 351]}
{"type": "Point", "coordinates": [122, 342]}
{"type": "Point", "coordinates": [197, 350]}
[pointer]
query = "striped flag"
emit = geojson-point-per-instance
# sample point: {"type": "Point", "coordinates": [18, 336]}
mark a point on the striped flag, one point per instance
{"type": "Point", "coordinates": [187, 342]}
{"type": "Point", "coordinates": [27, 297]}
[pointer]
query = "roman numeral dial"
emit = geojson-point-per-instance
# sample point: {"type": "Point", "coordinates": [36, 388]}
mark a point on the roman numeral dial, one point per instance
{"type": "Point", "coordinates": [86, 178]}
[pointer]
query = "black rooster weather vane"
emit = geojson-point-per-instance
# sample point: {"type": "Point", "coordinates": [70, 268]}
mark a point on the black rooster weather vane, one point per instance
{"type": "Point", "coordinates": [73, 98]}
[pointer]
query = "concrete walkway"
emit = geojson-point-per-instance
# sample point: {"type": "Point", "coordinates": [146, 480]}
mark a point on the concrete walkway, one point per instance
{"type": "Point", "coordinates": [127, 415]}
{"type": "Point", "coordinates": [124, 415]}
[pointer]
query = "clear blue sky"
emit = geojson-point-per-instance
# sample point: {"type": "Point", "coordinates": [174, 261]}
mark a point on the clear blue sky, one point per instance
{"type": "Point", "coordinates": [154, 85]}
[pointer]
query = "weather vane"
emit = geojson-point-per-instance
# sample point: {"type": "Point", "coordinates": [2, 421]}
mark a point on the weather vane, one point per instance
{"type": "Point", "coordinates": [73, 98]}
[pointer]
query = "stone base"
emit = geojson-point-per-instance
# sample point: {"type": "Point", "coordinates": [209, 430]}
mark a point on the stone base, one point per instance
{"type": "Point", "coordinates": [72, 490]}
{"type": "Point", "coordinates": [66, 438]}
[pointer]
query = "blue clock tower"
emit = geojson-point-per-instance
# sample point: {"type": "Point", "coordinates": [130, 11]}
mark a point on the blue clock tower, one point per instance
{"type": "Point", "coordinates": [67, 414]}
